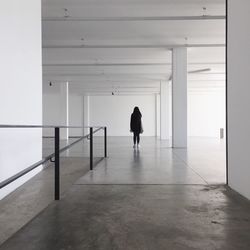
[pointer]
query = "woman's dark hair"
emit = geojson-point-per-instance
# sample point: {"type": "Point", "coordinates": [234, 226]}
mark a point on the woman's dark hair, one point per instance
{"type": "Point", "coordinates": [137, 112]}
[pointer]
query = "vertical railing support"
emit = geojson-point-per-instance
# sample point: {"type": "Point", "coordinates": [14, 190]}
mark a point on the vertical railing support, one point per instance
{"type": "Point", "coordinates": [91, 147]}
{"type": "Point", "coordinates": [105, 142]}
{"type": "Point", "coordinates": [57, 163]}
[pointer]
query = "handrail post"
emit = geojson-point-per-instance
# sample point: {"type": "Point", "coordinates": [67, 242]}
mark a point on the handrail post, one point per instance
{"type": "Point", "coordinates": [57, 163]}
{"type": "Point", "coordinates": [105, 142]}
{"type": "Point", "coordinates": [91, 147]}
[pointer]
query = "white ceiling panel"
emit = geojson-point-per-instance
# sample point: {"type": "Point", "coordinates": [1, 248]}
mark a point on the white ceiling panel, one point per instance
{"type": "Point", "coordinates": [93, 55]}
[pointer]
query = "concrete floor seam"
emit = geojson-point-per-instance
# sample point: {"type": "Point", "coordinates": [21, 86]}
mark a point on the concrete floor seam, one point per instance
{"type": "Point", "coordinates": [190, 167]}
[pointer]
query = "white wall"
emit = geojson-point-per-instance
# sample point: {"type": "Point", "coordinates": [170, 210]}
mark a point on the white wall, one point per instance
{"type": "Point", "coordinates": [239, 96]}
{"type": "Point", "coordinates": [21, 88]}
{"type": "Point", "coordinates": [179, 98]}
{"type": "Point", "coordinates": [206, 112]}
{"type": "Point", "coordinates": [52, 112]}
{"type": "Point", "coordinates": [115, 111]}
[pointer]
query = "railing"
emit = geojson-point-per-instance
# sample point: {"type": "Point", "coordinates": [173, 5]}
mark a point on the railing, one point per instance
{"type": "Point", "coordinates": [57, 151]}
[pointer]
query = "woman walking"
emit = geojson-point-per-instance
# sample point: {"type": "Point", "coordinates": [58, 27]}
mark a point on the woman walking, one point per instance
{"type": "Point", "coordinates": [136, 126]}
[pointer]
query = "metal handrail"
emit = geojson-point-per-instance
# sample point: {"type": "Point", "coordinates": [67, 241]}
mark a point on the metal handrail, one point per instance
{"type": "Point", "coordinates": [57, 152]}
{"type": "Point", "coordinates": [88, 136]}
{"type": "Point", "coordinates": [45, 126]}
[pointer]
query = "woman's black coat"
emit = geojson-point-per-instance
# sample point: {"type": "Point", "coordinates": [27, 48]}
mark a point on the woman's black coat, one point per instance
{"type": "Point", "coordinates": [135, 123]}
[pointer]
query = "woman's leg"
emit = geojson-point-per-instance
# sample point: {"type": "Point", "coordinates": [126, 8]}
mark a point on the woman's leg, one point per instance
{"type": "Point", "coordinates": [138, 139]}
{"type": "Point", "coordinates": [134, 138]}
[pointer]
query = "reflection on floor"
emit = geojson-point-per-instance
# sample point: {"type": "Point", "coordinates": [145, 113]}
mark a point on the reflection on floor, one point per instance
{"type": "Point", "coordinates": [203, 162]}
{"type": "Point", "coordinates": [156, 163]}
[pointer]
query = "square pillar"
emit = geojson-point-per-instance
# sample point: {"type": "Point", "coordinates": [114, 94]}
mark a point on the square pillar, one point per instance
{"type": "Point", "coordinates": [179, 95]}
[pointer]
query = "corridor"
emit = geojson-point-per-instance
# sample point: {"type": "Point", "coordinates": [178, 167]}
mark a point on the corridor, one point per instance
{"type": "Point", "coordinates": [153, 198]}
{"type": "Point", "coordinates": [72, 72]}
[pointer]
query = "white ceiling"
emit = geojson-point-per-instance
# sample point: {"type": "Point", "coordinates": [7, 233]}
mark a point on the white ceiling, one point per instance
{"type": "Point", "coordinates": [125, 45]}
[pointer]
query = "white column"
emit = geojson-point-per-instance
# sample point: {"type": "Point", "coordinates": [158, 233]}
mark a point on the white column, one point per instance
{"type": "Point", "coordinates": [164, 121]}
{"type": "Point", "coordinates": [170, 112]}
{"type": "Point", "coordinates": [64, 106]}
{"type": "Point", "coordinates": [158, 108]}
{"type": "Point", "coordinates": [86, 114]}
{"type": "Point", "coordinates": [179, 96]}
{"type": "Point", "coordinates": [157, 115]}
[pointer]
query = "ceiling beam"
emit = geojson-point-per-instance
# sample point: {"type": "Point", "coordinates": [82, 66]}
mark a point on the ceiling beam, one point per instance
{"type": "Point", "coordinates": [115, 91]}
{"type": "Point", "coordinates": [138, 46]}
{"type": "Point", "coordinates": [103, 64]}
{"type": "Point", "coordinates": [106, 85]}
{"type": "Point", "coordinates": [206, 80]}
{"type": "Point", "coordinates": [118, 88]}
{"type": "Point", "coordinates": [119, 64]}
{"type": "Point", "coordinates": [107, 82]}
{"type": "Point", "coordinates": [102, 83]}
{"type": "Point", "coordinates": [133, 19]}
{"type": "Point", "coordinates": [115, 94]}
{"type": "Point", "coordinates": [107, 76]}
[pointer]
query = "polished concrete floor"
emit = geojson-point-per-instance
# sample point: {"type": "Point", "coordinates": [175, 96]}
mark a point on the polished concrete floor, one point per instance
{"type": "Point", "coordinates": [156, 163]}
{"type": "Point", "coordinates": [132, 217]}
{"type": "Point", "coordinates": [203, 162]}
{"type": "Point", "coordinates": [18, 208]}
{"type": "Point", "coordinates": [22, 205]}
{"type": "Point", "coordinates": [152, 198]}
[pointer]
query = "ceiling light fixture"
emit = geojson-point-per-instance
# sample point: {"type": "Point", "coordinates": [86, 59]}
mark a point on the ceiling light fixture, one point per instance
{"type": "Point", "coordinates": [66, 13]}
{"type": "Point", "coordinates": [82, 41]}
{"type": "Point", "coordinates": [204, 11]}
